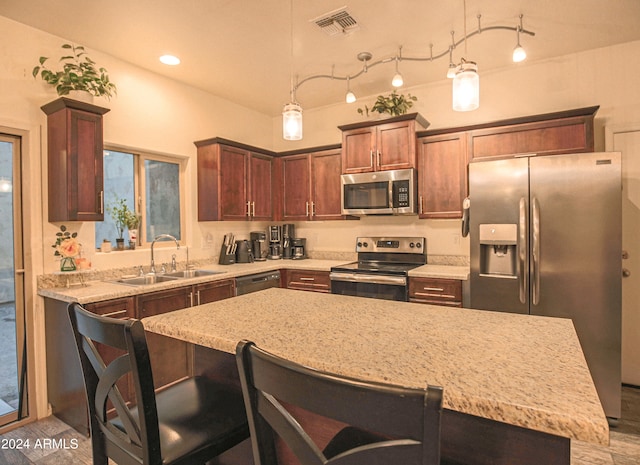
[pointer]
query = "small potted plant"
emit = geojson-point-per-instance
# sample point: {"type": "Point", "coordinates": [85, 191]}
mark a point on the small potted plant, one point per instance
{"type": "Point", "coordinates": [132, 221]}
{"type": "Point", "coordinates": [394, 104]}
{"type": "Point", "coordinates": [79, 73]}
{"type": "Point", "coordinates": [120, 214]}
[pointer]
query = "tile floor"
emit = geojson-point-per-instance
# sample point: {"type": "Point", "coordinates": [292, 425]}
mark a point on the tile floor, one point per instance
{"type": "Point", "coordinates": [52, 442]}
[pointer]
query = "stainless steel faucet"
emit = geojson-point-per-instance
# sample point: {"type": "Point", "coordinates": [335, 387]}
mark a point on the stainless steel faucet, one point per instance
{"type": "Point", "coordinates": [161, 236]}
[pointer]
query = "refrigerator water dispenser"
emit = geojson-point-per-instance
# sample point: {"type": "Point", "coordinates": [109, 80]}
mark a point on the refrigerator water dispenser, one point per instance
{"type": "Point", "coordinates": [498, 250]}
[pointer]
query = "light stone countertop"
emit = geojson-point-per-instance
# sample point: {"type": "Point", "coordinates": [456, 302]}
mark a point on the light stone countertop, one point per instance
{"type": "Point", "coordinates": [96, 291]}
{"type": "Point", "coordinates": [523, 370]}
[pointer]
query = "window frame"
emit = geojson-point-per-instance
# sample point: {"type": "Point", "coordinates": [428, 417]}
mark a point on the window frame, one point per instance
{"type": "Point", "coordinates": [139, 158]}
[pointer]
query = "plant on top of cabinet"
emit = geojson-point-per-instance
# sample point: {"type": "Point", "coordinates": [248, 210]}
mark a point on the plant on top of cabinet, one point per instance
{"type": "Point", "coordinates": [393, 104]}
{"type": "Point", "coordinates": [79, 72]}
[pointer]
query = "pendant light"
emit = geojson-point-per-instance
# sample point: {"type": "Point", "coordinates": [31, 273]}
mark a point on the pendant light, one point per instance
{"type": "Point", "coordinates": [292, 112]}
{"type": "Point", "coordinates": [397, 80]}
{"type": "Point", "coordinates": [519, 53]}
{"type": "Point", "coordinates": [350, 97]}
{"type": "Point", "coordinates": [466, 83]}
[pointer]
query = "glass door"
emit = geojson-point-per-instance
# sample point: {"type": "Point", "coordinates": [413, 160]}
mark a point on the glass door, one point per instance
{"type": "Point", "coordinates": [13, 405]}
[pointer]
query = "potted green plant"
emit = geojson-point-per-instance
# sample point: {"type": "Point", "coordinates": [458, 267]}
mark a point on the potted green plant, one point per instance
{"type": "Point", "coordinates": [133, 221]}
{"type": "Point", "coordinates": [394, 104]}
{"type": "Point", "coordinates": [120, 214]}
{"type": "Point", "coordinates": [79, 73]}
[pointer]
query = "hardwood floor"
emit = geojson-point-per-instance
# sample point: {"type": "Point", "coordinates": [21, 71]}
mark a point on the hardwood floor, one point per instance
{"type": "Point", "coordinates": [52, 442]}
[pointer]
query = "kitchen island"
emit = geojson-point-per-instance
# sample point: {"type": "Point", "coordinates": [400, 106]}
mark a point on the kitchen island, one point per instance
{"type": "Point", "coordinates": [516, 387]}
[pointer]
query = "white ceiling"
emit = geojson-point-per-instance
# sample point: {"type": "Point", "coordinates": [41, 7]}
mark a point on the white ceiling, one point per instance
{"type": "Point", "coordinates": [241, 49]}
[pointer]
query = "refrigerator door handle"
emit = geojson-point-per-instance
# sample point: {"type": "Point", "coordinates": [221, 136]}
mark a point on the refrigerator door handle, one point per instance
{"type": "Point", "coordinates": [535, 253]}
{"type": "Point", "coordinates": [522, 250]}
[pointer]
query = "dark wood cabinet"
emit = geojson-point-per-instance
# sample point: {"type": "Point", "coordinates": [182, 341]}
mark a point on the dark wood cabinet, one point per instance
{"type": "Point", "coordinates": [234, 183]}
{"type": "Point", "coordinates": [436, 291]}
{"type": "Point", "coordinates": [311, 186]}
{"type": "Point", "coordinates": [442, 175]}
{"type": "Point", "coordinates": [75, 160]}
{"type": "Point", "coordinates": [380, 146]}
{"type": "Point", "coordinates": [214, 291]}
{"type": "Point", "coordinates": [308, 280]}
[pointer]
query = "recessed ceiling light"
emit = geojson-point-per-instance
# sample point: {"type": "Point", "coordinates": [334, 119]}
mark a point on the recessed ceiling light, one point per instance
{"type": "Point", "coordinates": [170, 60]}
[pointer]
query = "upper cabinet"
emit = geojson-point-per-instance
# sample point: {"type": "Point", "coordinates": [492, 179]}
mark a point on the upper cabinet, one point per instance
{"type": "Point", "coordinates": [382, 145]}
{"type": "Point", "coordinates": [75, 160]}
{"type": "Point", "coordinates": [311, 183]}
{"type": "Point", "coordinates": [442, 180]}
{"type": "Point", "coordinates": [234, 183]}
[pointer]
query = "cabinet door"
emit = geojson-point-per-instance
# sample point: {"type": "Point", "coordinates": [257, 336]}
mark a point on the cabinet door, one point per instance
{"type": "Point", "coordinates": [234, 187]}
{"type": "Point", "coordinates": [551, 137]}
{"type": "Point", "coordinates": [358, 147]}
{"type": "Point", "coordinates": [442, 168]}
{"type": "Point", "coordinates": [214, 291]}
{"type": "Point", "coordinates": [306, 280]}
{"type": "Point", "coordinates": [325, 185]}
{"type": "Point", "coordinates": [395, 146]}
{"type": "Point", "coordinates": [75, 165]}
{"type": "Point", "coordinates": [261, 196]}
{"type": "Point", "coordinates": [436, 291]}
{"type": "Point", "coordinates": [296, 197]}
{"type": "Point", "coordinates": [171, 359]}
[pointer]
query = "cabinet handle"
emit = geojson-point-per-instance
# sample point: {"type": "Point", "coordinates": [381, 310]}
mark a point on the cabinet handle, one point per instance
{"type": "Point", "coordinates": [313, 209]}
{"type": "Point", "coordinates": [371, 154]}
{"type": "Point", "coordinates": [428, 294]}
{"type": "Point", "coordinates": [198, 296]}
{"type": "Point", "coordinates": [306, 209]}
{"type": "Point", "coordinates": [307, 279]}
{"type": "Point", "coordinates": [190, 299]}
{"type": "Point", "coordinates": [420, 202]}
{"type": "Point", "coordinates": [248, 208]}
{"type": "Point", "coordinates": [378, 158]}
{"type": "Point", "coordinates": [253, 209]}
{"type": "Point", "coordinates": [102, 202]}
{"type": "Point", "coordinates": [433, 289]}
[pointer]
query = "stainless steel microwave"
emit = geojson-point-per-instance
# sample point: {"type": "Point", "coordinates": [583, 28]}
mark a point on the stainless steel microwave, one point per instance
{"type": "Point", "coordinates": [379, 193]}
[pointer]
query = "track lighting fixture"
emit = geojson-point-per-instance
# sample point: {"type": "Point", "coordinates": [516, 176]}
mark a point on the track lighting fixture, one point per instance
{"type": "Point", "coordinates": [292, 112]}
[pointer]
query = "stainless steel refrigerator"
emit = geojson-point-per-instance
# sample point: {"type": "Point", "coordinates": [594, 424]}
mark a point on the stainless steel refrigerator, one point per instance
{"type": "Point", "coordinates": [546, 239]}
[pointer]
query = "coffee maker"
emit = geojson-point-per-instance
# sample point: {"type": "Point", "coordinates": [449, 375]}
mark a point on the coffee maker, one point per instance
{"type": "Point", "coordinates": [288, 234]}
{"type": "Point", "coordinates": [298, 246]}
{"type": "Point", "coordinates": [259, 245]}
{"type": "Point", "coordinates": [275, 242]}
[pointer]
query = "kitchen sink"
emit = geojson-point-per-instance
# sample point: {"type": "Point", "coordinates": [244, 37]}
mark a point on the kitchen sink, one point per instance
{"type": "Point", "coordinates": [147, 279]}
{"type": "Point", "coordinates": [192, 273]}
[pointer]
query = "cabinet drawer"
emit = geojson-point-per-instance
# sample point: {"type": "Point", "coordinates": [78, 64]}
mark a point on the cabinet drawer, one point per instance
{"type": "Point", "coordinates": [317, 281]}
{"type": "Point", "coordinates": [436, 291]}
{"type": "Point", "coordinates": [116, 308]}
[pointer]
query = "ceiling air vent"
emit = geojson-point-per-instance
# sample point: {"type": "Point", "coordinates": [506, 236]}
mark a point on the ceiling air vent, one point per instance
{"type": "Point", "coordinates": [337, 22]}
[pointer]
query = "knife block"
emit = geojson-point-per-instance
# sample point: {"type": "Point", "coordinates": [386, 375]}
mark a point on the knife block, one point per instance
{"type": "Point", "coordinates": [225, 258]}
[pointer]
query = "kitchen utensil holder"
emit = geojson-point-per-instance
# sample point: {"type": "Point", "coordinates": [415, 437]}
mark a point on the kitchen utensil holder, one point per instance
{"type": "Point", "coordinates": [226, 258]}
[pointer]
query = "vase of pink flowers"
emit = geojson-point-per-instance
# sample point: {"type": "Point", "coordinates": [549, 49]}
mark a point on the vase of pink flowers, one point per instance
{"type": "Point", "coordinates": [67, 247]}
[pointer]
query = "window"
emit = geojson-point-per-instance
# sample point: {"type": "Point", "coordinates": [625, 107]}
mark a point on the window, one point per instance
{"type": "Point", "coordinates": [148, 184]}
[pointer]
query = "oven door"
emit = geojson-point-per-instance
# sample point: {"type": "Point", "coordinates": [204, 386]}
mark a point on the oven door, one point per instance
{"type": "Point", "coordinates": [370, 285]}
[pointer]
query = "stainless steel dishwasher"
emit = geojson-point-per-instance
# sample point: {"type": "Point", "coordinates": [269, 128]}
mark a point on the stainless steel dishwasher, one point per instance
{"type": "Point", "coordinates": [257, 282]}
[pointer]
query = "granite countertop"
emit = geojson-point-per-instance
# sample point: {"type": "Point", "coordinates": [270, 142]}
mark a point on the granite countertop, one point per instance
{"type": "Point", "coordinates": [96, 291]}
{"type": "Point", "coordinates": [523, 370]}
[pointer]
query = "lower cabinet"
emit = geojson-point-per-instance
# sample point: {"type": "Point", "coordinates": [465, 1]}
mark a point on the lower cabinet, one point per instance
{"type": "Point", "coordinates": [171, 359]}
{"type": "Point", "coordinates": [307, 280]}
{"type": "Point", "coordinates": [436, 291]}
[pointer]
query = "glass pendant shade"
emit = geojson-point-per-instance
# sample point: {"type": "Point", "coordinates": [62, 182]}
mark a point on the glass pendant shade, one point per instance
{"type": "Point", "coordinates": [292, 121]}
{"type": "Point", "coordinates": [466, 87]}
{"type": "Point", "coordinates": [397, 80]}
{"type": "Point", "coordinates": [350, 97]}
{"type": "Point", "coordinates": [451, 71]}
{"type": "Point", "coordinates": [519, 54]}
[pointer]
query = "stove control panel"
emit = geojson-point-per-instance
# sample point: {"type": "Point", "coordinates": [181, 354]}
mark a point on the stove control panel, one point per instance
{"type": "Point", "coordinates": [391, 244]}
